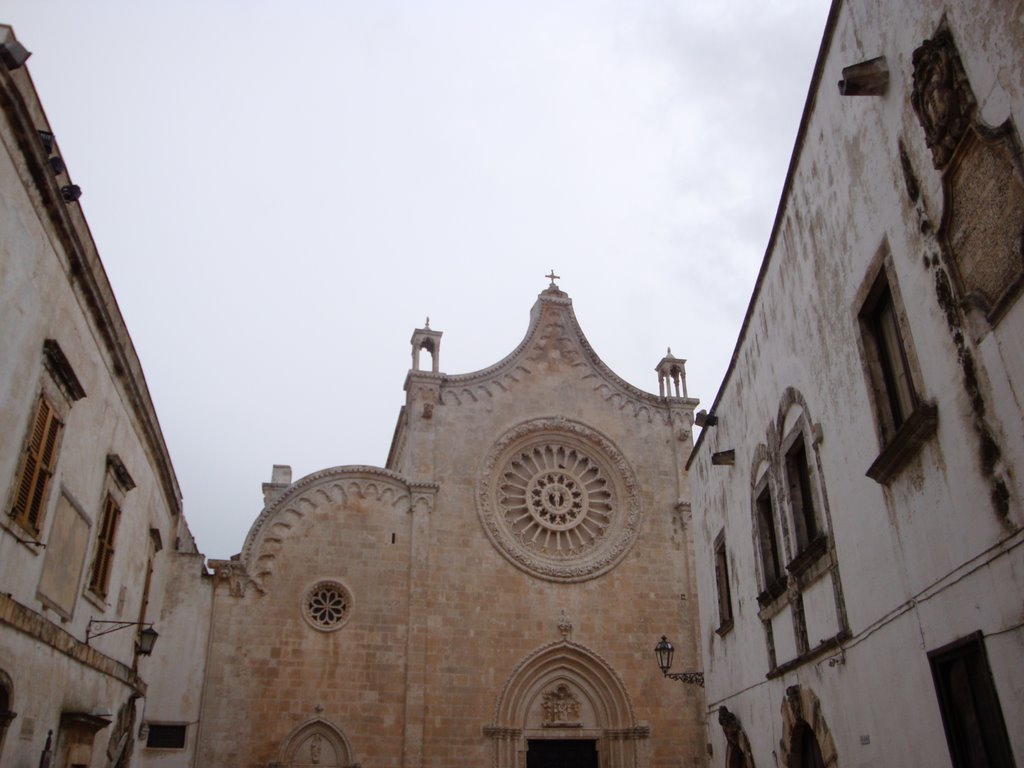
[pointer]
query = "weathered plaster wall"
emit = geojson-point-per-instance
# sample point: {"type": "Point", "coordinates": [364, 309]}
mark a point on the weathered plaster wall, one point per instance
{"type": "Point", "coordinates": [928, 557]}
{"type": "Point", "coordinates": [52, 287]}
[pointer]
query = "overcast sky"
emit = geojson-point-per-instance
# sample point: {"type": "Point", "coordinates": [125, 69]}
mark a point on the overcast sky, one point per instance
{"type": "Point", "coordinates": [282, 192]}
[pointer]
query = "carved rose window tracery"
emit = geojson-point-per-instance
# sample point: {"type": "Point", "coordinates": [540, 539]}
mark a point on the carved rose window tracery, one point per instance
{"type": "Point", "coordinates": [327, 606]}
{"type": "Point", "coordinates": [558, 500]}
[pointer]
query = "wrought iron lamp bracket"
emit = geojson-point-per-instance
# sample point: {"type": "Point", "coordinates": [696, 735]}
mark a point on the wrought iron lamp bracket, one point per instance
{"type": "Point", "coordinates": [689, 678]}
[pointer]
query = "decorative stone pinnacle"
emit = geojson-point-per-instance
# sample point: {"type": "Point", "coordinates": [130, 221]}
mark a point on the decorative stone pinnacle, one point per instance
{"type": "Point", "coordinates": [427, 324]}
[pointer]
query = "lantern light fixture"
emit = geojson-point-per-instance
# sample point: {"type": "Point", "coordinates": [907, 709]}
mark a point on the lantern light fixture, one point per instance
{"type": "Point", "coordinates": [664, 651]}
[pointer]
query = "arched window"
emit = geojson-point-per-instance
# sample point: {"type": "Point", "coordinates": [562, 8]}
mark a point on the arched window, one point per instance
{"type": "Point", "coordinates": [806, 749]}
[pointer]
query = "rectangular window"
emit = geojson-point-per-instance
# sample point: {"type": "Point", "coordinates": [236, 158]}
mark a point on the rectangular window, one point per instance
{"type": "Point", "coordinates": [971, 715]}
{"type": "Point", "coordinates": [798, 475]}
{"type": "Point", "coordinates": [166, 736]}
{"type": "Point", "coordinates": [722, 580]}
{"type": "Point", "coordinates": [890, 371]}
{"type": "Point", "coordinates": [100, 579]}
{"type": "Point", "coordinates": [37, 465]}
{"type": "Point", "coordinates": [905, 421]}
{"type": "Point", "coordinates": [771, 560]}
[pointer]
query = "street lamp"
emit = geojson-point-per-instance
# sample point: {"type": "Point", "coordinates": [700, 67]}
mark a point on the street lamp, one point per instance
{"type": "Point", "coordinates": [664, 652]}
{"type": "Point", "coordinates": [147, 637]}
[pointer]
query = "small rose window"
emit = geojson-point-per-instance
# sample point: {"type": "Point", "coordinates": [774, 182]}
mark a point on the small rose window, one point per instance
{"type": "Point", "coordinates": [327, 606]}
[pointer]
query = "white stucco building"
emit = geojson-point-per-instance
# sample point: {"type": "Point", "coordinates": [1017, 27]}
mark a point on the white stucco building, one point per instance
{"type": "Point", "coordinates": [858, 483]}
{"type": "Point", "coordinates": [93, 546]}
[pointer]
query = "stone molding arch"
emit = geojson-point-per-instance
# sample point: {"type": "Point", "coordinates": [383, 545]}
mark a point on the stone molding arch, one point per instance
{"type": "Point", "coordinates": [802, 709]}
{"type": "Point", "coordinates": [7, 713]}
{"type": "Point", "coordinates": [603, 710]}
{"type": "Point", "coordinates": [336, 485]}
{"type": "Point", "coordinates": [738, 753]}
{"type": "Point", "coordinates": [316, 742]}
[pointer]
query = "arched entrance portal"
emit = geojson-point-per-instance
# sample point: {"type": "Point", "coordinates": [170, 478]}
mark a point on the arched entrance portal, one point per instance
{"type": "Point", "coordinates": [563, 705]}
{"type": "Point", "coordinates": [317, 744]}
{"type": "Point", "coordinates": [806, 739]}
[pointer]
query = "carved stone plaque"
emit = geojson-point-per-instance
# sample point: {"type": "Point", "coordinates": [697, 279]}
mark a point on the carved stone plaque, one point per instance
{"type": "Point", "coordinates": [561, 708]}
{"type": "Point", "coordinates": [984, 228]}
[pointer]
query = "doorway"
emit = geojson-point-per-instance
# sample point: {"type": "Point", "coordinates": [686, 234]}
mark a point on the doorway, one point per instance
{"type": "Point", "coordinates": [561, 753]}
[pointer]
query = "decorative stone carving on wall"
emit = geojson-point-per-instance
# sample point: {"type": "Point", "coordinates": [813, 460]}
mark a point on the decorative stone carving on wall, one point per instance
{"type": "Point", "coordinates": [327, 606]}
{"type": "Point", "coordinates": [561, 708]}
{"type": "Point", "coordinates": [558, 500]}
{"type": "Point", "coordinates": [801, 708]}
{"type": "Point", "coordinates": [603, 706]}
{"type": "Point", "coordinates": [233, 573]}
{"type": "Point", "coordinates": [982, 228]}
{"type": "Point", "coordinates": [941, 96]}
{"type": "Point", "coordinates": [983, 222]}
{"type": "Point", "coordinates": [738, 754]}
{"type": "Point", "coordinates": [316, 743]}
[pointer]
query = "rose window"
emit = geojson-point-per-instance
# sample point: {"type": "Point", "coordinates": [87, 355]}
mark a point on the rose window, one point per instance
{"type": "Point", "coordinates": [558, 500]}
{"type": "Point", "coordinates": [555, 500]}
{"type": "Point", "coordinates": [327, 605]}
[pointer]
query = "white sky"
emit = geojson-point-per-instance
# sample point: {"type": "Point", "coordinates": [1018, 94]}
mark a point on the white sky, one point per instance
{"type": "Point", "coordinates": [281, 192]}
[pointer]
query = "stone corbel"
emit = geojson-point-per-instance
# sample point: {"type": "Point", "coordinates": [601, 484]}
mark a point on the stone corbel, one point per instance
{"type": "Point", "coordinates": [234, 574]}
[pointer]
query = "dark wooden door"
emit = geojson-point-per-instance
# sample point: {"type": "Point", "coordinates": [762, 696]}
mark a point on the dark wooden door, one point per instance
{"type": "Point", "coordinates": [563, 753]}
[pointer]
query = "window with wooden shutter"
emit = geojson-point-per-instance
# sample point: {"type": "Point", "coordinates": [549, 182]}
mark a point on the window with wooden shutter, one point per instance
{"type": "Point", "coordinates": [100, 579]}
{"type": "Point", "coordinates": [37, 465]}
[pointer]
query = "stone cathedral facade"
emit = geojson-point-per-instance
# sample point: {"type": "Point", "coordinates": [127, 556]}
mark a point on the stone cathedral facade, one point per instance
{"type": "Point", "coordinates": [490, 597]}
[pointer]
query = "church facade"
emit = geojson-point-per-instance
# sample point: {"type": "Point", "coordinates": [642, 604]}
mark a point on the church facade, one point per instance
{"type": "Point", "coordinates": [490, 597]}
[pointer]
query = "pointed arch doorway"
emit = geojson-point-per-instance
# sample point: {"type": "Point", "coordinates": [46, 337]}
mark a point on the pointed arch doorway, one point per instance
{"type": "Point", "coordinates": [564, 707]}
{"type": "Point", "coordinates": [316, 744]}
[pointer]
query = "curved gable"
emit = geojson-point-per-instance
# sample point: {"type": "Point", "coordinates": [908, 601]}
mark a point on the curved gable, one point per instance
{"type": "Point", "coordinates": [553, 331]}
{"type": "Point", "coordinates": [336, 485]}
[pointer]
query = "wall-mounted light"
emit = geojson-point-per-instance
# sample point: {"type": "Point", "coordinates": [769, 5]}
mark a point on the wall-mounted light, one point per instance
{"type": "Point", "coordinates": [664, 653]}
{"type": "Point", "coordinates": [147, 637]}
{"type": "Point", "coordinates": [46, 137]}
{"type": "Point", "coordinates": [705, 419]}
{"type": "Point", "coordinates": [13, 54]}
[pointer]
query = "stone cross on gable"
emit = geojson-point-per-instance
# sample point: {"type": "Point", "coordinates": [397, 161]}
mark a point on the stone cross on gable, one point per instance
{"type": "Point", "coordinates": [552, 277]}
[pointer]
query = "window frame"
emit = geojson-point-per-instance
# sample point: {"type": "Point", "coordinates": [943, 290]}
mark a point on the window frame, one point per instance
{"type": "Point", "coordinates": [184, 736]}
{"type": "Point", "coordinates": [37, 467]}
{"type": "Point", "coordinates": [59, 389]}
{"type": "Point", "coordinates": [722, 586]}
{"type": "Point", "coordinates": [800, 490]}
{"type": "Point", "coordinates": [903, 422]}
{"type": "Point", "coordinates": [995, 738]}
{"type": "Point", "coordinates": [103, 554]}
{"type": "Point", "coordinates": [773, 563]}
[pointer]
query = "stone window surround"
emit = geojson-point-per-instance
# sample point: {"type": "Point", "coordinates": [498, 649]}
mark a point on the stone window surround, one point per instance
{"type": "Point", "coordinates": [116, 486]}
{"type": "Point", "coordinates": [777, 587]}
{"type": "Point", "coordinates": [816, 560]}
{"type": "Point", "coordinates": [898, 444]}
{"type": "Point", "coordinates": [333, 623]}
{"type": "Point", "coordinates": [723, 589]}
